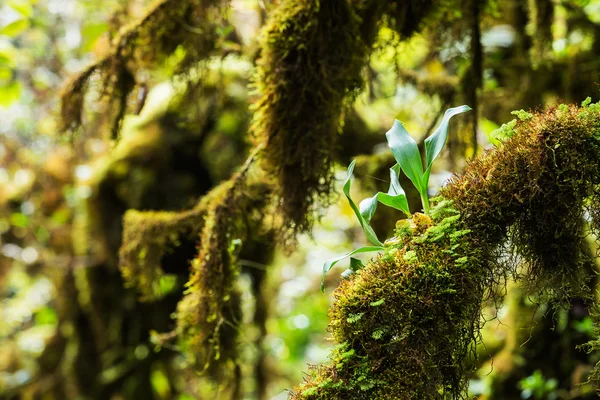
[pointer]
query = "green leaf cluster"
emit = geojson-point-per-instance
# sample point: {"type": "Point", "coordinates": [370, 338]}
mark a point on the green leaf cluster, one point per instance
{"type": "Point", "coordinates": [408, 159]}
{"type": "Point", "coordinates": [406, 152]}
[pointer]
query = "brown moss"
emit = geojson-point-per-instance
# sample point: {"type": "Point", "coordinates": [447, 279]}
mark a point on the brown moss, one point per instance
{"type": "Point", "coordinates": [147, 237]}
{"type": "Point", "coordinates": [407, 324]}
{"type": "Point", "coordinates": [144, 44]}
{"type": "Point", "coordinates": [311, 58]}
{"type": "Point", "coordinates": [209, 314]}
{"type": "Point", "coordinates": [310, 61]}
{"type": "Point", "coordinates": [541, 16]}
{"type": "Point", "coordinates": [533, 191]}
{"type": "Point", "coordinates": [442, 85]}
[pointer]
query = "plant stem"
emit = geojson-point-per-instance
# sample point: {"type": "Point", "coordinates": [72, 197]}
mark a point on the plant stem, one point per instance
{"type": "Point", "coordinates": [425, 200]}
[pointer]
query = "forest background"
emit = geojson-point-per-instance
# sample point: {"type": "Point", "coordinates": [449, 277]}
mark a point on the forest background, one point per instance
{"type": "Point", "coordinates": [107, 108]}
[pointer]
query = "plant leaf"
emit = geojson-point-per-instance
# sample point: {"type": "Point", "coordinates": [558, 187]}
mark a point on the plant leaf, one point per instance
{"type": "Point", "coordinates": [435, 143]}
{"type": "Point", "coordinates": [395, 187]}
{"type": "Point", "coordinates": [395, 198]}
{"type": "Point", "coordinates": [368, 206]}
{"type": "Point", "coordinates": [355, 265]}
{"type": "Point", "coordinates": [369, 232]}
{"type": "Point", "coordinates": [331, 263]}
{"type": "Point", "coordinates": [405, 151]}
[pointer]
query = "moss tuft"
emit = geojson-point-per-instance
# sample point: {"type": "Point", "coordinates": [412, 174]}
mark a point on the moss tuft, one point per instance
{"type": "Point", "coordinates": [534, 192]}
{"type": "Point", "coordinates": [210, 311]}
{"type": "Point", "coordinates": [147, 237]}
{"type": "Point", "coordinates": [417, 317]}
{"type": "Point", "coordinates": [312, 54]}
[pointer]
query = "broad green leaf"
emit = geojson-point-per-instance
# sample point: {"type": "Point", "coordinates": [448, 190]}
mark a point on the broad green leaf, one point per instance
{"type": "Point", "coordinates": [369, 232]}
{"type": "Point", "coordinates": [367, 207]}
{"type": "Point", "coordinates": [435, 143]}
{"type": "Point", "coordinates": [331, 263]}
{"type": "Point", "coordinates": [395, 187]}
{"type": "Point", "coordinates": [398, 202]}
{"type": "Point", "coordinates": [405, 151]}
{"type": "Point", "coordinates": [395, 198]}
{"type": "Point", "coordinates": [355, 265]}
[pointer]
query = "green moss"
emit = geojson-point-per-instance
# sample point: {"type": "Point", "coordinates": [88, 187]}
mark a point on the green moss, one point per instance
{"type": "Point", "coordinates": [377, 303]}
{"type": "Point", "coordinates": [147, 237]}
{"type": "Point", "coordinates": [209, 314]}
{"type": "Point", "coordinates": [428, 307]}
{"type": "Point", "coordinates": [442, 85]}
{"type": "Point", "coordinates": [312, 54]}
{"type": "Point", "coordinates": [529, 194]}
{"type": "Point", "coordinates": [533, 190]}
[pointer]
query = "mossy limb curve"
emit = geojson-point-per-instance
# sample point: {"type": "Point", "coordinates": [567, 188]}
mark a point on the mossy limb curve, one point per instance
{"type": "Point", "coordinates": [407, 324]}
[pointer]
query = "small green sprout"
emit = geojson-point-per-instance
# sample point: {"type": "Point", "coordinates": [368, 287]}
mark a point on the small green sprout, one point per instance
{"type": "Point", "coordinates": [408, 159]}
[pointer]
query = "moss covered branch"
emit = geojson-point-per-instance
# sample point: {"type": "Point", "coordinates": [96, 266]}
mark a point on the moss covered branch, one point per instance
{"type": "Point", "coordinates": [407, 325]}
{"type": "Point", "coordinates": [166, 26]}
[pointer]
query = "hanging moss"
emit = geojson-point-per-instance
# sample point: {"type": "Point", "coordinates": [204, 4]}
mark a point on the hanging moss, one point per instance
{"type": "Point", "coordinates": [310, 61]}
{"type": "Point", "coordinates": [311, 58]}
{"type": "Point", "coordinates": [209, 314]}
{"type": "Point", "coordinates": [541, 15]}
{"type": "Point", "coordinates": [147, 237]}
{"type": "Point", "coordinates": [189, 24]}
{"type": "Point", "coordinates": [407, 324]}
{"type": "Point", "coordinates": [593, 346]}
{"type": "Point", "coordinates": [444, 86]}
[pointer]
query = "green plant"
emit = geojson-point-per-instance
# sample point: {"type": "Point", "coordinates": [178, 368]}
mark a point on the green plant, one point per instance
{"type": "Point", "coordinates": [536, 386]}
{"type": "Point", "coordinates": [408, 159]}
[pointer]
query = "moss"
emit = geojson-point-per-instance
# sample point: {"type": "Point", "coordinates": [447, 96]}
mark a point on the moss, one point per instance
{"type": "Point", "coordinates": [153, 166]}
{"type": "Point", "coordinates": [142, 45]}
{"type": "Point", "coordinates": [147, 237]}
{"type": "Point", "coordinates": [444, 86]}
{"type": "Point", "coordinates": [209, 313]}
{"type": "Point", "coordinates": [533, 191]}
{"type": "Point", "coordinates": [416, 322]}
{"type": "Point", "coordinates": [529, 194]}
{"type": "Point", "coordinates": [541, 11]}
{"type": "Point", "coordinates": [311, 58]}
{"type": "Point", "coordinates": [593, 346]}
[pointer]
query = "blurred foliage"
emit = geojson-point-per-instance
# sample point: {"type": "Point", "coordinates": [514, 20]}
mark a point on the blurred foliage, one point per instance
{"type": "Point", "coordinates": [73, 328]}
